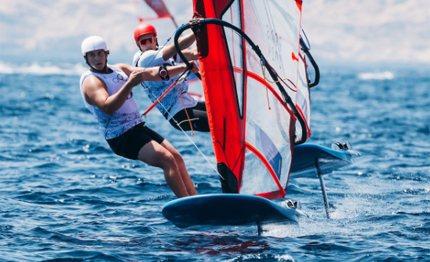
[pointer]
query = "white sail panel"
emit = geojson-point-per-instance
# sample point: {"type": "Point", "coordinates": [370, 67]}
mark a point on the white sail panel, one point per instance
{"type": "Point", "coordinates": [267, 131]}
{"type": "Point", "coordinates": [274, 26]}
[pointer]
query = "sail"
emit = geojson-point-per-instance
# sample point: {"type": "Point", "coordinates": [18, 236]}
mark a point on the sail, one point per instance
{"type": "Point", "coordinates": [160, 9]}
{"type": "Point", "coordinates": [252, 127]}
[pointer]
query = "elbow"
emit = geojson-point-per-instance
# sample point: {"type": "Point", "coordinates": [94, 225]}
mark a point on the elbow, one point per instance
{"type": "Point", "coordinates": [195, 54]}
{"type": "Point", "coordinates": [156, 76]}
{"type": "Point", "coordinates": [107, 111]}
{"type": "Point", "coordinates": [152, 74]}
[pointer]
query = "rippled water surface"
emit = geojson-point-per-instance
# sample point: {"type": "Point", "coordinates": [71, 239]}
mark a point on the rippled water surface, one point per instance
{"type": "Point", "coordinates": [64, 195]}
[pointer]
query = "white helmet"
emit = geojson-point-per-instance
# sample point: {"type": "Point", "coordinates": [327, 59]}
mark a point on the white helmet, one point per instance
{"type": "Point", "coordinates": [93, 43]}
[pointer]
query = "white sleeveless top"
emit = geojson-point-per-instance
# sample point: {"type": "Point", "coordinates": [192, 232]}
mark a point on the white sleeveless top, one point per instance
{"type": "Point", "coordinates": [172, 102]}
{"type": "Point", "coordinates": [123, 119]}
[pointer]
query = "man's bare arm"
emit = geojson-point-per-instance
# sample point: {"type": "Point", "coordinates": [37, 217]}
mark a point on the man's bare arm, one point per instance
{"type": "Point", "coordinates": [95, 90]}
{"type": "Point", "coordinates": [190, 54]}
{"type": "Point", "coordinates": [183, 42]}
{"type": "Point", "coordinates": [152, 73]}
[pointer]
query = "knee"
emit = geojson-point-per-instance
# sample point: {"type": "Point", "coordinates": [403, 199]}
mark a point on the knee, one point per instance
{"type": "Point", "coordinates": [168, 161]}
{"type": "Point", "coordinates": [178, 158]}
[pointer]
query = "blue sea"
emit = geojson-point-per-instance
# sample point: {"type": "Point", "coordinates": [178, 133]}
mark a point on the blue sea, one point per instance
{"type": "Point", "coordinates": [64, 196]}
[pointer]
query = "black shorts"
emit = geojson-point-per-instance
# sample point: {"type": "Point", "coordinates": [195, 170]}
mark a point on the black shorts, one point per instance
{"type": "Point", "coordinates": [197, 116]}
{"type": "Point", "coordinates": [129, 144]}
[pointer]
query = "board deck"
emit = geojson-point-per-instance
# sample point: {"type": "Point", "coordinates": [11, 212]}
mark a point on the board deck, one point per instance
{"type": "Point", "coordinates": [329, 159]}
{"type": "Point", "coordinates": [226, 210]}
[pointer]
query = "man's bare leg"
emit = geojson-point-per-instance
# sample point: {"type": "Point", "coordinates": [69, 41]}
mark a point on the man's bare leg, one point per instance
{"type": "Point", "coordinates": [156, 155]}
{"type": "Point", "coordinates": [182, 168]}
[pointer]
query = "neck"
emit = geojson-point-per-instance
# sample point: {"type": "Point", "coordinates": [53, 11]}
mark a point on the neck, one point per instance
{"type": "Point", "coordinates": [105, 70]}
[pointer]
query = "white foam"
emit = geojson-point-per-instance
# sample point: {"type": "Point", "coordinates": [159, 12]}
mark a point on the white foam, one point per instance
{"type": "Point", "coordinates": [387, 75]}
{"type": "Point", "coordinates": [42, 69]}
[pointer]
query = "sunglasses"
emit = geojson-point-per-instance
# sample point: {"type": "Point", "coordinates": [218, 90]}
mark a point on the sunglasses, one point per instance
{"type": "Point", "coordinates": [146, 40]}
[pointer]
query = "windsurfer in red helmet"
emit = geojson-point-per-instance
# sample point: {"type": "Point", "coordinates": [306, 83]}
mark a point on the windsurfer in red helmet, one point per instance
{"type": "Point", "coordinates": [107, 94]}
{"type": "Point", "coordinates": [180, 108]}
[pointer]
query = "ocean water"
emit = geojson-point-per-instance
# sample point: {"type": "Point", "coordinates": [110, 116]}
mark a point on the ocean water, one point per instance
{"type": "Point", "coordinates": [64, 196]}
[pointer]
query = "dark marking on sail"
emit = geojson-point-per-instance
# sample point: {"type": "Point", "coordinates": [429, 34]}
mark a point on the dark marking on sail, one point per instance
{"type": "Point", "coordinates": [229, 183]}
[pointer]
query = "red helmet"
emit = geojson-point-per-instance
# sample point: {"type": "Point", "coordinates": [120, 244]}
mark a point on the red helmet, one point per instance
{"type": "Point", "coordinates": [143, 29]}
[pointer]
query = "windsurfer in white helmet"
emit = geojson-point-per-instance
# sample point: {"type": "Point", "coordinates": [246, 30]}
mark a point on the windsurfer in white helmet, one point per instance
{"type": "Point", "coordinates": [107, 93]}
{"type": "Point", "coordinates": [177, 107]}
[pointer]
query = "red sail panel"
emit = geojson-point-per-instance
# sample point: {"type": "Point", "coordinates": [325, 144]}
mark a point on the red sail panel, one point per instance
{"type": "Point", "coordinates": [252, 128]}
{"type": "Point", "coordinates": [160, 9]}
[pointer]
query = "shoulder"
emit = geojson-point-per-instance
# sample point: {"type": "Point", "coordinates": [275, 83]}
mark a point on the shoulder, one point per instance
{"type": "Point", "coordinates": [149, 54]}
{"type": "Point", "coordinates": [84, 76]}
{"type": "Point", "coordinates": [92, 81]}
{"type": "Point", "coordinates": [136, 57]}
{"type": "Point", "coordinates": [151, 58]}
{"type": "Point", "coordinates": [88, 77]}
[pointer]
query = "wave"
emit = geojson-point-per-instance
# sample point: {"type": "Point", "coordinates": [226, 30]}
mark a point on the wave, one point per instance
{"type": "Point", "coordinates": [387, 75]}
{"type": "Point", "coordinates": [43, 69]}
